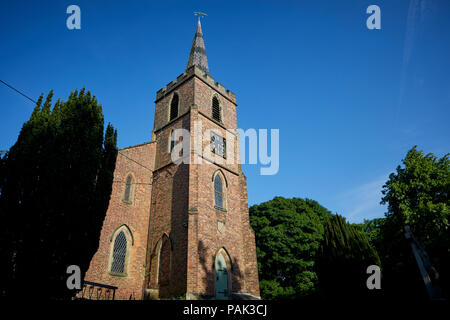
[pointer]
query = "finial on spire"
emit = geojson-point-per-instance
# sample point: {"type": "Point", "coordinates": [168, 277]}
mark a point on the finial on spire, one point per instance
{"type": "Point", "coordinates": [200, 14]}
{"type": "Point", "coordinates": [197, 55]}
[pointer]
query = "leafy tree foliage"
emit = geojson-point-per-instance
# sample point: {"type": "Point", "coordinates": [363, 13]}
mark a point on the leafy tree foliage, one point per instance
{"type": "Point", "coordinates": [343, 259]}
{"type": "Point", "coordinates": [417, 195]}
{"type": "Point", "coordinates": [56, 186]}
{"type": "Point", "coordinates": [371, 228]}
{"type": "Point", "coordinates": [288, 235]}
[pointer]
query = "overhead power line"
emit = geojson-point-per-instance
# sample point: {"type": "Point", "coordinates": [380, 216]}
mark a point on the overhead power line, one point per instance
{"type": "Point", "coordinates": [23, 94]}
{"type": "Point", "coordinates": [134, 161]}
{"type": "Point", "coordinates": [18, 91]}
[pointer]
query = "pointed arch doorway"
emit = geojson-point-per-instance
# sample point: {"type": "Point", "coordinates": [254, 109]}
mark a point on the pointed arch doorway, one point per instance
{"type": "Point", "coordinates": [220, 266]}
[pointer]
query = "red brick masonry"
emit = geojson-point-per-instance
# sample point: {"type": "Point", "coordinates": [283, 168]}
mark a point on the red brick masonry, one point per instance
{"type": "Point", "coordinates": [173, 228]}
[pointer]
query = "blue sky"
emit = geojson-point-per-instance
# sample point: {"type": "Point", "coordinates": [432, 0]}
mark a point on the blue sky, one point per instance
{"type": "Point", "coordinates": [349, 102]}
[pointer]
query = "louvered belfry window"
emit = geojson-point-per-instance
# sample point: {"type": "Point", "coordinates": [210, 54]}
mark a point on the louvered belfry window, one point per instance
{"type": "Point", "coordinates": [174, 107]}
{"type": "Point", "coordinates": [119, 253]}
{"type": "Point", "coordinates": [126, 196]}
{"type": "Point", "coordinates": [216, 109]}
{"type": "Point", "coordinates": [218, 192]}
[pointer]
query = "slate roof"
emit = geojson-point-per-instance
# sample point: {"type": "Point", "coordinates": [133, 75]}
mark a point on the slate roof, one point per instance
{"type": "Point", "coordinates": [197, 56]}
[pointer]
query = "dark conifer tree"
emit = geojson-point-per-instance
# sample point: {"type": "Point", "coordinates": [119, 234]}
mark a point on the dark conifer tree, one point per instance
{"type": "Point", "coordinates": [343, 260]}
{"type": "Point", "coordinates": [55, 194]}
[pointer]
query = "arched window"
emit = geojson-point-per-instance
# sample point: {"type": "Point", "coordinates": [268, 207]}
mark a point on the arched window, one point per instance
{"type": "Point", "coordinates": [119, 253]}
{"type": "Point", "coordinates": [171, 141]}
{"type": "Point", "coordinates": [174, 106]}
{"type": "Point", "coordinates": [129, 189]}
{"type": "Point", "coordinates": [216, 109]}
{"type": "Point", "coordinates": [126, 196]}
{"type": "Point", "coordinates": [218, 191]}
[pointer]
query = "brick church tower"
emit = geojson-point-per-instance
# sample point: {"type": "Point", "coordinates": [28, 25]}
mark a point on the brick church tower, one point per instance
{"type": "Point", "coordinates": [181, 228]}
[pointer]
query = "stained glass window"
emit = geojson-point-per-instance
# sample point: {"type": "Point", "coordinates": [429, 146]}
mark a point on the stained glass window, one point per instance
{"type": "Point", "coordinates": [119, 253]}
{"type": "Point", "coordinates": [218, 191]}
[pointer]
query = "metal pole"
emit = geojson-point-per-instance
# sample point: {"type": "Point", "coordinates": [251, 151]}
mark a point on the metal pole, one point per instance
{"type": "Point", "coordinates": [424, 264]}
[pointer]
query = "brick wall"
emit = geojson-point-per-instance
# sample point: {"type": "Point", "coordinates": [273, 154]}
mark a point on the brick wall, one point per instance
{"type": "Point", "coordinates": [176, 228]}
{"type": "Point", "coordinates": [169, 218]}
{"type": "Point", "coordinates": [235, 235]}
{"type": "Point", "coordinates": [134, 215]}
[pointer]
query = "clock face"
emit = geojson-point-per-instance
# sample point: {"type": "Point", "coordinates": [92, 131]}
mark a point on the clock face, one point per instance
{"type": "Point", "coordinates": [218, 145]}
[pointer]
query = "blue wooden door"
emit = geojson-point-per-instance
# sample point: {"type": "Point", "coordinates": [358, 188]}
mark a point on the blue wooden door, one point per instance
{"type": "Point", "coordinates": [221, 278]}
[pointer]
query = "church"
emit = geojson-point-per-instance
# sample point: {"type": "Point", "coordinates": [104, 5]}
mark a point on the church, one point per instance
{"type": "Point", "coordinates": [180, 230]}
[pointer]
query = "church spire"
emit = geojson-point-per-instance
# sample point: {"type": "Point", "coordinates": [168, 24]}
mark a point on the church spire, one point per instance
{"type": "Point", "coordinates": [197, 56]}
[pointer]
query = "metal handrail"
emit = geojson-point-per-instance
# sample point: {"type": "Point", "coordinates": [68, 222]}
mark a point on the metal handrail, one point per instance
{"type": "Point", "coordinates": [100, 294]}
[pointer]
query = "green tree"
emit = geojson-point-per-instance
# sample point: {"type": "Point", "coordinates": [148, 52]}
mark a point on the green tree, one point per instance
{"type": "Point", "coordinates": [343, 259]}
{"type": "Point", "coordinates": [57, 184]}
{"type": "Point", "coordinates": [371, 228]}
{"type": "Point", "coordinates": [288, 234]}
{"type": "Point", "coordinates": [417, 195]}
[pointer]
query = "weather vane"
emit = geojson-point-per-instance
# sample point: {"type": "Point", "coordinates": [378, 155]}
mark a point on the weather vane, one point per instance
{"type": "Point", "coordinates": [200, 14]}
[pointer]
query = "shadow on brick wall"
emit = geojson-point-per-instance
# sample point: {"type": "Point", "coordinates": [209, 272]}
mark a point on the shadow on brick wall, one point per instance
{"type": "Point", "coordinates": [207, 264]}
